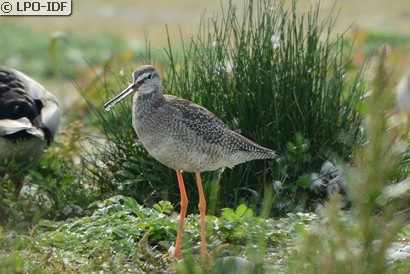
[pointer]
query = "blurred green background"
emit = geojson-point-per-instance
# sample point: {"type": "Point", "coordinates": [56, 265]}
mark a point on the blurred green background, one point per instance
{"type": "Point", "coordinates": [92, 178]}
{"type": "Point", "coordinates": [98, 29]}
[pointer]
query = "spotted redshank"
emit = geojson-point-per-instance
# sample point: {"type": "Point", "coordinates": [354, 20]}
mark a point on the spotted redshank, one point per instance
{"type": "Point", "coordinates": [184, 136]}
{"type": "Point", "coordinates": [29, 119]}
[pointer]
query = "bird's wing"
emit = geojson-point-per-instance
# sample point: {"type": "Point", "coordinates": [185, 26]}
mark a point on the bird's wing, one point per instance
{"type": "Point", "coordinates": [33, 89]}
{"type": "Point", "coordinates": [198, 119]}
{"type": "Point", "coordinates": [50, 111]}
{"type": "Point", "coordinates": [210, 128]}
{"type": "Point", "coordinates": [9, 126]}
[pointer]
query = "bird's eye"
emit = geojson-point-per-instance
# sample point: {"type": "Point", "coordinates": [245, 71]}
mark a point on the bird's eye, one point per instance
{"type": "Point", "coordinates": [149, 76]}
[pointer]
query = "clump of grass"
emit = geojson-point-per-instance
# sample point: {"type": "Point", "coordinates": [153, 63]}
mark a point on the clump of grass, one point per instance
{"type": "Point", "coordinates": [276, 78]}
{"type": "Point", "coordinates": [357, 241]}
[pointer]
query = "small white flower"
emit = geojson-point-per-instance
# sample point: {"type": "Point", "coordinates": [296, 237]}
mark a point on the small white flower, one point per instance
{"type": "Point", "coordinates": [316, 182]}
{"type": "Point", "coordinates": [225, 67]}
{"type": "Point", "coordinates": [277, 185]}
{"type": "Point", "coordinates": [171, 249]}
{"type": "Point", "coordinates": [235, 124]}
{"type": "Point", "coordinates": [275, 40]}
{"type": "Point", "coordinates": [228, 67]}
{"type": "Point", "coordinates": [329, 169]}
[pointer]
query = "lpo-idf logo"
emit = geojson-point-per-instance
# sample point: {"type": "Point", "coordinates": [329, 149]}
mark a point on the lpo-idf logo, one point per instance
{"type": "Point", "coordinates": [35, 7]}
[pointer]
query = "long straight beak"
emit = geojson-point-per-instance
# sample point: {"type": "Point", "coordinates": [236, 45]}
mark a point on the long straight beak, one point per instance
{"type": "Point", "coordinates": [128, 91]}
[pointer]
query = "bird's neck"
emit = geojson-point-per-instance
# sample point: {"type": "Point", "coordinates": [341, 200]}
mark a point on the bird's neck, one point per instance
{"type": "Point", "coordinates": [148, 100]}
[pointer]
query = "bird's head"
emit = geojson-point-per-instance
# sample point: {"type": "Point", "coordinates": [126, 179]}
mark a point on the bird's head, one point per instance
{"type": "Point", "coordinates": [145, 80]}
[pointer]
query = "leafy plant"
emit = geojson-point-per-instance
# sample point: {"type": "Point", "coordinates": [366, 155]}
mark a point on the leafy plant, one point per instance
{"type": "Point", "coordinates": [54, 189]}
{"type": "Point", "coordinates": [357, 241]}
{"type": "Point", "coordinates": [121, 235]}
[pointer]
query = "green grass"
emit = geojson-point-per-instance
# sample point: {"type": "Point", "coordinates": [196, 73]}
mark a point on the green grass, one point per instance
{"type": "Point", "coordinates": [121, 235]}
{"type": "Point", "coordinates": [357, 241]}
{"type": "Point", "coordinates": [291, 96]}
{"type": "Point", "coordinates": [373, 40]}
{"type": "Point", "coordinates": [119, 229]}
{"type": "Point", "coordinates": [41, 54]}
{"type": "Point", "coordinates": [104, 205]}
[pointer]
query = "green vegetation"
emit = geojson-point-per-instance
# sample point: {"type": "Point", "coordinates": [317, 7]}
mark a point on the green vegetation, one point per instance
{"type": "Point", "coordinates": [46, 54]}
{"type": "Point", "coordinates": [121, 235]}
{"type": "Point", "coordinates": [278, 79]}
{"type": "Point", "coordinates": [99, 203]}
{"type": "Point", "coordinates": [357, 241]}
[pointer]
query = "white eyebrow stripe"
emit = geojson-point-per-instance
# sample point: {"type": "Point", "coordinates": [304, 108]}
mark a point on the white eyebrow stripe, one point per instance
{"type": "Point", "coordinates": [142, 77]}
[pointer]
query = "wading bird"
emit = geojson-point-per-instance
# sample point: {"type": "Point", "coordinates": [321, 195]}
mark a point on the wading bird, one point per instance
{"type": "Point", "coordinates": [185, 137]}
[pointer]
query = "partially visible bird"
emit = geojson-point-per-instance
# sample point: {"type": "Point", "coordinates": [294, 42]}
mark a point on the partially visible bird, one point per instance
{"type": "Point", "coordinates": [184, 136]}
{"type": "Point", "coordinates": [403, 94]}
{"type": "Point", "coordinates": [29, 119]}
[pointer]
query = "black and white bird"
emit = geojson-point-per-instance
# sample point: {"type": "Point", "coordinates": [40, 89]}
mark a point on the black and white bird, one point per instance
{"type": "Point", "coordinates": [29, 119]}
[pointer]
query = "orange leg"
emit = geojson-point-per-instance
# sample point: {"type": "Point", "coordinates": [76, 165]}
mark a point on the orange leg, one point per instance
{"type": "Point", "coordinates": [184, 205]}
{"type": "Point", "coordinates": [202, 212]}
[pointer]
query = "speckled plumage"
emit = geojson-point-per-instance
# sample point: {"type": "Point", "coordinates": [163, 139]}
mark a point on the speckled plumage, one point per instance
{"type": "Point", "coordinates": [185, 137]}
